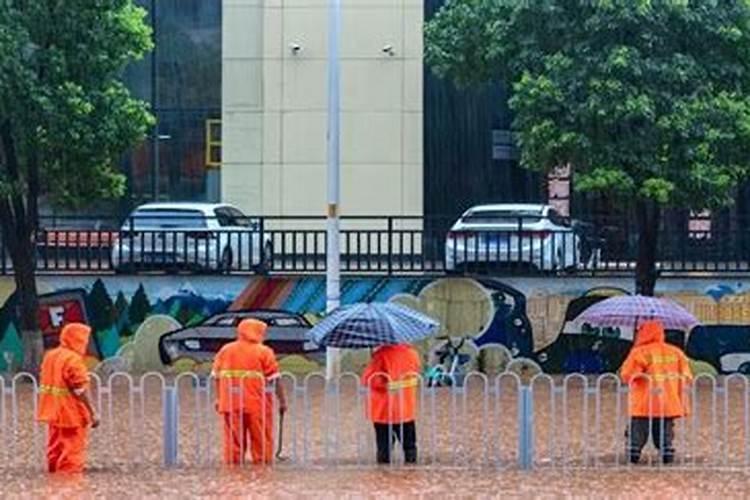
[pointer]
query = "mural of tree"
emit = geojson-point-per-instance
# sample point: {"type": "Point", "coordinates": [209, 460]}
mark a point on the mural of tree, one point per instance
{"type": "Point", "coordinates": [140, 306]}
{"type": "Point", "coordinates": [121, 305]}
{"type": "Point", "coordinates": [101, 310]}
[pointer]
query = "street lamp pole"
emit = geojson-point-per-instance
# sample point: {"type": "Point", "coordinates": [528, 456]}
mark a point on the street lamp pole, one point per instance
{"type": "Point", "coordinates": [333, 256]}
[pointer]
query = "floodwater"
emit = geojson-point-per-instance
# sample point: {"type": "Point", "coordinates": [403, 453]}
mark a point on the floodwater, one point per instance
{"type": "Point", "coordinates": [380, 483]}
{"type": "Point", "coordinates": [468, 446]}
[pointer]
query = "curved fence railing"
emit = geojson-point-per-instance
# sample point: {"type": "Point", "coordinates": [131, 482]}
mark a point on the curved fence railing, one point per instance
{"type": "Point", "coordinates": [497, 422]}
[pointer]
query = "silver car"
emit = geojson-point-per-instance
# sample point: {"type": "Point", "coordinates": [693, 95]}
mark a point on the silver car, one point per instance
{"type": "Point", "coordinates": [197, 236]}
{"type": "Point", "coordinates": [514, 234]}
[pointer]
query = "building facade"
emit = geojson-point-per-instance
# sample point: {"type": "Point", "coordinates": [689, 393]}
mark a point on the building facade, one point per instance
{"type": "Point", "coordinates": [275, 97]}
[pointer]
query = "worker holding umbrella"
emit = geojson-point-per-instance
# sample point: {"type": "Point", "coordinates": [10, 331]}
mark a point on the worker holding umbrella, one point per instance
{"type": "Point", "coordinates": [392, 375]}
{"type": "Point", "coordinates": [656, 372]}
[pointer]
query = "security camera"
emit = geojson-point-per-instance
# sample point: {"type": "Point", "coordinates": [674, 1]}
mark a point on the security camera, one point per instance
{"type": "Point", "coordinates": [388, 49]}
{"type": "Point", "coordinates": [295, 48]}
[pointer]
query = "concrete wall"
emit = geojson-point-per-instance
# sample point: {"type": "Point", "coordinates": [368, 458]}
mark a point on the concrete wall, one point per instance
{"type": "Point", "coordinates": [274, 106]}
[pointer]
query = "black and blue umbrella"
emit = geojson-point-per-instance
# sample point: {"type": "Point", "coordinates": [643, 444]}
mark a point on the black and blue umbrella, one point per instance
{"type": "Point", "coordinates": [360, 326]}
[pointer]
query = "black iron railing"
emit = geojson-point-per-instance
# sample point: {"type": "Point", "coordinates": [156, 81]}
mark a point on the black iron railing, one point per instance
{"type": "Point", "coordinates": [378, 245]}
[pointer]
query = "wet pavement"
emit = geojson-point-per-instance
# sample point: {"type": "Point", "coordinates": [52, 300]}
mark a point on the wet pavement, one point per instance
{"type": "Point", "coordinates": [380, 483]}
{"type": "Point", "coordinates": [468, 447]}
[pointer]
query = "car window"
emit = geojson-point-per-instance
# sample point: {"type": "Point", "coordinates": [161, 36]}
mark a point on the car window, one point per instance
{"type": "Point", "coordinates": [223, 217]}
{"type": "Point", "coordinates": [289, 321]}
{"type": "Point", "coordinates": [558, 219]}
{"type": "Point", "coordinates": [157, 218]}
{"type": "Point", "coordinates": [239, 218]}
{"type": "Point", "coordinates": [502, 217]}
{"type": "Point", "coordinates": [227, 321]}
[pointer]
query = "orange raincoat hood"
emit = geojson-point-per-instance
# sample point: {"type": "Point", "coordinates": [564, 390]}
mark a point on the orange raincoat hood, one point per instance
{"type": "Point", "coordinates": [251, 330]}
{"type": "Point", "coordinates": [75, 336]}
{"type": "Point", "coordinates": [650, 332]}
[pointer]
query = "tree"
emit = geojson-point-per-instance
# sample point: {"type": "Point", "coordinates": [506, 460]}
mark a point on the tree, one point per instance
{"type": "Point", "coordinates": [65, 119]}
{"type": "Point", "coordinates": [100, 307]}
{"type": "Point", "coordinates": [140, 306]}
{"type": "Point", "coordinates": [647, 101]}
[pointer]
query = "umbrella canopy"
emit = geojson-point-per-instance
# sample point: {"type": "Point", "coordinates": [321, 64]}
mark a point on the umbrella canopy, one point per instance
{"type": "Point", "coordinates": [368, 325]}
{"type": "Point", "coordinates": [630, 310]}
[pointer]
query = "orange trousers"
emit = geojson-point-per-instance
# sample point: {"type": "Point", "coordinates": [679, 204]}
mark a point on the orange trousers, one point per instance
{"type": "Point", "coordinates": [66, 448]}
{"type": "Point", "coordinates": [243, 429]}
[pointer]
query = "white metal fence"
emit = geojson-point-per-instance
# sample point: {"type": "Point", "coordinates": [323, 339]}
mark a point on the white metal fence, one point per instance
{"type": "Point", "coordinates": [500, 422]}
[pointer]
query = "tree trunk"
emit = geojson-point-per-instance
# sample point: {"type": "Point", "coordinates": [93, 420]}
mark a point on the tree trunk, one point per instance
{"type": "Point", "coordinates": [28, 306]}
{"type": "Point", "coordinates": [648, 238]}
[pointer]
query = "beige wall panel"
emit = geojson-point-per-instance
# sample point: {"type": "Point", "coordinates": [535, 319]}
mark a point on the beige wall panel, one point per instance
{"type": "Point", "coordinates": [273, 84]}
{"type": "Point", "coordinates": [364, 32]}
{"type": "Point", "coordinates": [242, 36]}
{"type": "Point", "coordinates": [305, 85]}
{"type": "Point", "coordinates": [271, 137]}
{"type": "Point", "coordinates": [272, 191]}
{"type": "Point", "coordinates": [372, 85]}
{"type": "Point", "coordinates": [307, 27]}
{"type": "Point", "coordinates": [370, 189]}
{"type": "Point", "coordinates": [413, 138]}
{"type": "Point", "coordinates": [273, 37]}
{"type": "Point", "coordinates": [412, 189]}
{"type": "Point", "coordinates": [413, 85]}
{"type": "Point", "coordinates": [413, 32]}
{"type": "Point", "coordinates": [243, 134]}
{"type": "Point", "coordinates": [371, 138]}
{"type": "Point", "coordinates": [242, 83]}
{"type": "Point", "coordinates": [304, 188]}
{"type": "Point", "coordinates": [304, 137]}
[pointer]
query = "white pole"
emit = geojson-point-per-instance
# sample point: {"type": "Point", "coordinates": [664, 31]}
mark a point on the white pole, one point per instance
{"type": "Point", "coordinates": [333, 257]}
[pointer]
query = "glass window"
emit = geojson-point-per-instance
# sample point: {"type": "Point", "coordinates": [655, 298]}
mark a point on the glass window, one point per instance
{"type": "Point", "coordinates": [502, 217]}
{"type": "Point", "coordinates": [557, 219]}
{"type": "Point", "coordinates": [157, 218]}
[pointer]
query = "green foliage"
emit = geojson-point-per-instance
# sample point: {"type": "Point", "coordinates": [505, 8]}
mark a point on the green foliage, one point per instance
{"type": "Point", "coordinates": [646, 100]}
{"type": "Point", "coordinates": [62, 103]}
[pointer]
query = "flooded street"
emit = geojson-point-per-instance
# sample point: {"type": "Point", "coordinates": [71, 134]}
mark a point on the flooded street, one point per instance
{"type": "Point", "coordinates": [380, 483]}
{"type": "Point", "coordinates": [468, 442]}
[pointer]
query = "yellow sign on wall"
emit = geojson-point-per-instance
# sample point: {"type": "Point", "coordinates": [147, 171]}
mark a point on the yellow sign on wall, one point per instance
{"type": "Point", "coordinates": [213, 143]}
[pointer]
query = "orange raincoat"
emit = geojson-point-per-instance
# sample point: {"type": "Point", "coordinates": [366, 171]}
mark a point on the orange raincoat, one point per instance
{"type": "Point", "coordinates": [393, 377]}
{"type": "Point", "coordinates": [63, 376]}
{"type": "Point", "coordinates": [242, 369]}
{"type": "Point", "coordinates": [657, 373]}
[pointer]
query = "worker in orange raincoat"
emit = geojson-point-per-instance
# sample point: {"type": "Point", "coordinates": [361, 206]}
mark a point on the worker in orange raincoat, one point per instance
{"type": "Point", "coordinates": [64, 402]}
{"type": "Point", "coordinates": [657, 373]}
{"type": "Point", "coordinates": [242, 370]}
{"type": "Point", "coordinates": [392, 377]}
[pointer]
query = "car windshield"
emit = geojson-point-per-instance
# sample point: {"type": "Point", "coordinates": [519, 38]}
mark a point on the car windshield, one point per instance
{"type": "Point", "coordinates": [502, 217]}
{"type": "Point", "coordinates": [157, 218]}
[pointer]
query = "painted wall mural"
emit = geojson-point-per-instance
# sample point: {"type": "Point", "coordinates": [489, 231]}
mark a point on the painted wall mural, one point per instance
{"type": "Point", "coordinates": [487, 324]}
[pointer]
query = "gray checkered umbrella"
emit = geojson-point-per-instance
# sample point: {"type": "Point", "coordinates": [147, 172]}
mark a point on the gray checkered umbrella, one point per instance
{"type": "Point", "coordinates": [630, 310]}
{"type": "Point", "coordinates": [359, 326]}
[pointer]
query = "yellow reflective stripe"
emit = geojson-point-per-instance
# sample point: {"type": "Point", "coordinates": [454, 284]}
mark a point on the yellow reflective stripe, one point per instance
{"type": "Point", "coordinates": [662, 377]}
{"type": "Point", "coordinates": [403, 384]}
{"type": "Point", "coordinates": [239, 374]}
{"type": "Point", "coordinates": [54, 391]}
{"type": "Point", "coordinates": [659, 359]}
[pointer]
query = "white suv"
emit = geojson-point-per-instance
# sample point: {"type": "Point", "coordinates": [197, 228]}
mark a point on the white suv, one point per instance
{"type": "Point", "coordinates": [513, 234]}
{"type": "Point", "coordinates": [198, 236]}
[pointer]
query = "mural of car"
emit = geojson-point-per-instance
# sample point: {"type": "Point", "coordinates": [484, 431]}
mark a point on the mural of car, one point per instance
{"type": "Point", "coordinates": [583, 348]}
{"type": "Point", "coordinates": [201, 236]}
{"type": "Point", "coordinates": [515, 234]}
{"type": "Point", "coordinates": [286, 334]}
{"type": "Point", "coordinates": [725, 347]}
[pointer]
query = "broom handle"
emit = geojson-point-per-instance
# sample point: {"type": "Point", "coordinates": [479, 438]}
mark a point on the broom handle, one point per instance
{"type": "Point", "coordinates": [281, 434]}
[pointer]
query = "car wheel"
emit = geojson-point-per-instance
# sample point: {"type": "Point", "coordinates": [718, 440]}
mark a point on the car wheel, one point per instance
{"type": "Point", "coordinates": [266, 263]}
{"type": "Point", "coordinates": [225, 264]}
